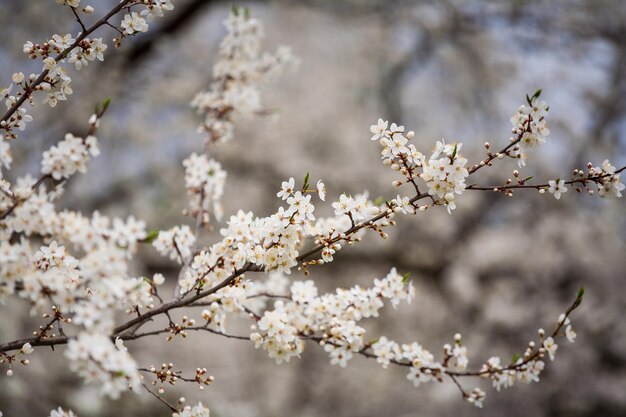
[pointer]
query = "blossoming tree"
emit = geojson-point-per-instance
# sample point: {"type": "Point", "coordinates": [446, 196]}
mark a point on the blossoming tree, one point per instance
{"type": "Point", "coordinates": [73, 268]}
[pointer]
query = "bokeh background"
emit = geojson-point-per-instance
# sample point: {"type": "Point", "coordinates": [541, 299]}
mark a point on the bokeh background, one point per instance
{"type": "Point", "coordinates": [495, 270]}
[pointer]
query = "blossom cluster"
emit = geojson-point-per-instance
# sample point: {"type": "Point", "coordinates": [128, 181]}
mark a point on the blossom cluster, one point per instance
{"type": "Point", "coordinates": [177, 243]}
{"type": "Point", "coordinates": [530, 128]}
{"type": "Point", "coordinates": [94, 357]}
{"type": "Point", "coordinates": [59, 50]}
{"type": "Point", "coordinates": [204, 180]}
{"type": "Point", "coordinates": [59, 412]}
{"type": "Point", "coordinates": [69, 156]}
{"type": "Point", "coordinates": [526, 369]}
{"type": "Point", "coordinates": [238, 74]}
{"type": "Point", "coordinates": [331, 318]}
{"type": "Point", "coordinates": [77, 266]}
{"type": "Point", "coordinates": [134, 22]}
{"type": "Point", "coordinates": [270, 243]}
{"type": "Point", "coordinates": [197, 410]}
{"type": "Point", "coordinates": [444, 172]}
{"type": "Point", "coordinates": [608, 181]}
{"type": "Point", "coordinates": [606, 178]}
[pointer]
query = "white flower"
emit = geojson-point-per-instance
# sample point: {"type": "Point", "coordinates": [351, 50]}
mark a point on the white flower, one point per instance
{"type": "Point", "coordinates": [5, 154]}
{"type": "Point", "coordinates": [27, 349]}
{"type": "Point", "coordinates": [176, 242]}
{"type": "Point", "coordinates": [396, 129]}
{"type": "Point", "coordinates": [204, 180]}
{"type": "Point", "coordinates": [59, 412]}
{"type": "Point", "coordinates": [286, 189]}
{"type": "Point", "coordinates": [609, 184]}
{"type": "Point", "coordinates": [198, 410]}
{"type": "Point", "coordinates": [158, 279]}
{"type": "Point", "coordinates": [245, 66]}
{"type": "Point", "coordinates": [557, 187]}
{"type": "Point", "coordinates": [380, 129]}
{"type": "Point", "coordinates": [607, 167]}
{"type": "Point", "coordinates": [134, 23]}
{"type": "Point", "coordinates": [570, 333]}
{"type": "Point", "coordinates": [321, 190]}
{"type": "Point", "coordinates": [550, 347]}
{"type": "Point", "coordinates": [444, 175]}
{"type": "Point", "coordinates": [128, 234]}
{"type": "Point", "coordinates": [397, 144]}
{"type": "Point", "coordinates": [403, 205]}
{"type": "Point", "coordinates": [302, 292]}
{"type": "Point", "coordinates": [18, 77]}
{"type": "Point", "coordinates": [96, 359]}
{"type": "Point", "coordinates": [344, 206]}
{"type": "Point", "coordinates": [300, 207]}
{"type": "Point", "coordinates": [155, 8]}
{"type": "Point", "coordinates": [477, 397]}
{"type": "Point", "coordinates": [62, 42]}
{"type": "Point", "coordinates": [119, 344]}
{"type": "Point", "coordinates": [68, 156]}
{"type": "Point", "coordinates": [386, 351]}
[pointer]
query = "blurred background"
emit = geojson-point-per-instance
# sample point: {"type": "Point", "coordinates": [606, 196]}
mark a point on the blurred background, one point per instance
{"type": "Point", "coordinates": [495, 270]}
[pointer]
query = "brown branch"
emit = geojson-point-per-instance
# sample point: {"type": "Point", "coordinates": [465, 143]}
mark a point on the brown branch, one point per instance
{"type": "Point", "coordinates": [31, 87]}
{"type": "Point", "coordinates": [583, 181]}
{"type": "Point", "coordinates": [158, 397]}
{"type": "Point", "coordinates": [249, 267]}
{"type": "Point", "coordinates": [78, 19]}
{"type": "Point", "coordinates": [504, 151]}
{"type": "Point", "coordinates": [194, 328]}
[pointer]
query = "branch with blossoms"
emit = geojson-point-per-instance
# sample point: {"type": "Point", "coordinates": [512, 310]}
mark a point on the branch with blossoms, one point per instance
{"type": "Point", "coordinates": [79, 51]}
{"type": "Point", "coordinates": [606, 179]}
{"type": "Point", "coordinates": [73, 269]}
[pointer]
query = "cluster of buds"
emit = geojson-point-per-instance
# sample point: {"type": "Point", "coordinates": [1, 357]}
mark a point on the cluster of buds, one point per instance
{"type": "Point", "coordinates": [202, 378]}
{"type": "Point", "coordinates": [165, 375]}
{"type": "Point", "coordinates": [9, 359]}
{"type": "Point", "coordinates": [606, 178]}
{"type": "Point", "coordinates": [179, 329]}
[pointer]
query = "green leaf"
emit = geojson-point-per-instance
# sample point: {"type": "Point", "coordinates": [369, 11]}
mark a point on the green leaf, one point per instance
{"type": "Point", "coordinates": [454, 152]}
{"type": "Point", "coordinates": [374, 341]}
{"type": "Point", "coordinates": [532, 98]}
{"type": "Point", "coordinates": [246, 13]}
{"type": "Point", "coordinates": [515, 358]}
{"type": "Point", "coordinates": [580, 293]}
{"type": "Point", "coordinates": [105, 104]}
{"type": "Point", "coordinates": [405, 278]}
{"type": "Point", "coordinates": [537, 94]}
{"type": "Point", "coordinates": [306, 181]}
{"type": "Point", "coordinates": [235, 9]}
{"type": "Point", "coordinates": [102, 106]}
{"type": "Point", "coordinates": [152, 235]}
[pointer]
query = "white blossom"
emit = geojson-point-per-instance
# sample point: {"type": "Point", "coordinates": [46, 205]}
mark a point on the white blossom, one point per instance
{"type": "Point", "coordinates": [96, 359]}
{"type": "Point", "coordinates": [557, 188]}
{"type": "Point", "coordinates": [133, 23]}
{"type": "Point", "coordinates": [197, 410]}
{"type": "Point", "coordinates": [59, 412]}
{"type": "Point", "coordinates": [550, 346]}
{"type": "Point", "coordinates": [175, 243]}
{"type": "Point", "coordinates": [379, 130]}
